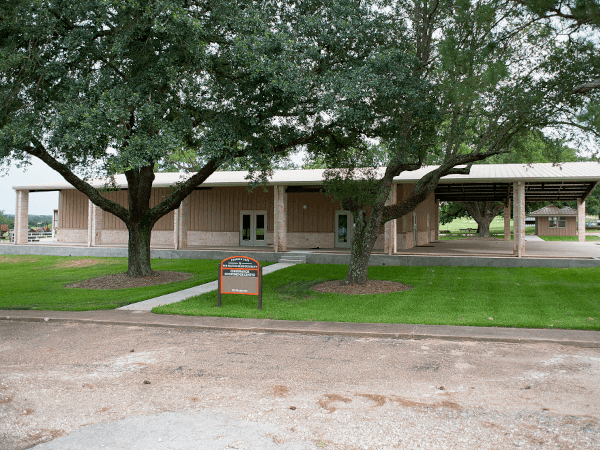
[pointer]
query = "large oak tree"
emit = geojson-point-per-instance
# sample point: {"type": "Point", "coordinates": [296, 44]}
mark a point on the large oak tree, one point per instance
{"type": "Point", "coordinates": [96, 88]}
{"type": "Point", "coordinates": [492, 78]}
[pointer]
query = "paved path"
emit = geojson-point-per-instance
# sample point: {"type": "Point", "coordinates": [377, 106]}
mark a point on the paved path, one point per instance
{"type": "Point", "coordinates": [175, 297]}
{"type": "Point", "coordinates": [578, 338]}
{"type": "Point", "coordinates": [533, 238]}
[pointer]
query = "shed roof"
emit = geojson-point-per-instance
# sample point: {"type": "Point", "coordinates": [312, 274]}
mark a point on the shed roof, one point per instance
{"type": "Point", "coordinates": [552, 210]}
{"type": "Point", "coordinates": [544, 181]}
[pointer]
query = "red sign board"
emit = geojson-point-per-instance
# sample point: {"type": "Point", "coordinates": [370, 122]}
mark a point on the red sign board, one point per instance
{"type": "Point", "coordinates": [240, 275]}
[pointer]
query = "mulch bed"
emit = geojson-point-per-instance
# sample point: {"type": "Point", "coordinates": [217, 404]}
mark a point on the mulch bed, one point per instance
{"type": "Point", "coordinates": [122, 281]}
{"type": "Point", "coordinates": [372, 287]}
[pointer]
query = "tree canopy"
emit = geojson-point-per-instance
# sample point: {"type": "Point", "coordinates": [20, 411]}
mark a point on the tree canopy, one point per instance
{"type": "Point", "coordinates": [96, 88]}
{"type": "Point", "coordinates": [494, 76]}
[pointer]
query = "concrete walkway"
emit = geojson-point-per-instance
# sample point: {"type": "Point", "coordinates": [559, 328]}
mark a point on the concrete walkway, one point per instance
{"type": "Point", "coordinates": [175, 297]}
{"type": "Point", "coordinates": [578, 338]}
{"type": "Point", "coordinates": [533, 238]}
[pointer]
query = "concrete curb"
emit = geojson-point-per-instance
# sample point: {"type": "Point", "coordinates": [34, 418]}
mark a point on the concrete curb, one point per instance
{"type": "Point", "coordinates": [576, 338]}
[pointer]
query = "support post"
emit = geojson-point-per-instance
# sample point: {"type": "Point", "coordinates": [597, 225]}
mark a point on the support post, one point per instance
{"type": "Point", "coordinates": [390, 228]}
{"type": "Point", "coordinates": [260, 286]}
{"type": "Point", "coordinates": [275, 219]}
{"type": "Point", "coordinates": [96, 225]}
{"type": "Point", "coordinates": [507, 220]}
{"type": "Point", "coordinates": [219, 287]}
{"type": "Point", "coordinates": [519, 218]}
{"type": "Point", "coordinates": [22, 218]}
{"type": "Point", "coordinates": [181, 225]}
{"type": "Point", "coordinates": [176, 229]}
{"type": "Point", "coordinates": [581, 220]}
{"type": "Point", "coordinates": [89, 223]}
{"type": "Point", "coordinates": [280, 239]}
{"type": "Point", "coordinates": [436, 220]}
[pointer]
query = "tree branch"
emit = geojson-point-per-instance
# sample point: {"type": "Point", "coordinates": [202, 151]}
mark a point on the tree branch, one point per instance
{"type": "Point", "coordinates": [38, 150]}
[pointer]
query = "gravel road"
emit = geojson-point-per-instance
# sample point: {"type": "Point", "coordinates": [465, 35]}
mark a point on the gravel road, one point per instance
{"type": "Point", "coordinates": [85, 386]}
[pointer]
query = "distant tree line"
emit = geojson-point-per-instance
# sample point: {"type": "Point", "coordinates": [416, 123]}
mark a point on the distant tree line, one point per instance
{"type": "Point", "coordinates": [34, 220]}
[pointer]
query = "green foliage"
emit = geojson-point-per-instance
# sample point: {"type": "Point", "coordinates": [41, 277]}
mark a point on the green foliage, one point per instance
{"type": "Point", "coordinates": [352, 177]}
{"type": "Point", "coordinates": [450, 211]}
{"type": "Point", "coordinates": [8, 219]}
{"type": "Point", "coordinates": [491, 68]}
{"type": "Point", "coordinates": [100, 88]}
{"type": "Point", "coordinates": [39, 221]}
{"type": "Point", "coordinates": [577, 12]}
{"type": "Point", "coordinates": [535, 147]}
{"type": "Point", "coordinates": [592, 203]}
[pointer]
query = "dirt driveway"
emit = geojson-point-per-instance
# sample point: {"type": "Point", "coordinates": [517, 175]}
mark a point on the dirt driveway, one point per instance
{"type": "Point", "coordinates": [320, 392]}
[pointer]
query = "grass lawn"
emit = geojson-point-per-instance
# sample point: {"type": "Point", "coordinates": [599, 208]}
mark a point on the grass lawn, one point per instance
{"type": "Point", "coordinates": [516, 297]}
{"type": "Point", "coordinates": [496, 227]}
{"type": "Point", "coordinates": [569, 238]}
{"type": "Point", "coordinates": [38, 282]}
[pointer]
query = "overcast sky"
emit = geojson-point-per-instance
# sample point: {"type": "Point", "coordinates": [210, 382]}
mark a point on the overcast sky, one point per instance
{"type": "Point", "coordinates": [39, 202]}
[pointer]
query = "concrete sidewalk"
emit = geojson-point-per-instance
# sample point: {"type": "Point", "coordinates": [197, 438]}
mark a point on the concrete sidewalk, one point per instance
{"type": "Point", "coordinates": [576, 338]}
{"type": "Point", "coordinates": [178, 296]}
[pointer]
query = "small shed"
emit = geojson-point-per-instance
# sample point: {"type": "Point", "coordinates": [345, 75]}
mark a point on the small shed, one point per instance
{"type": "Point", "coordinates": [554, 221]}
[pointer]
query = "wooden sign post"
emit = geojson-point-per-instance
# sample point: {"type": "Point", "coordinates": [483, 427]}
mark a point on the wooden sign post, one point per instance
{"type": "Point", "coordinates": [240, 275]}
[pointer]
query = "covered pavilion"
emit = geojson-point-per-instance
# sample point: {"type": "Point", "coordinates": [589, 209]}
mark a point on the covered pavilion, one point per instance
{"type": "Point", "coordinates": [513, 184]}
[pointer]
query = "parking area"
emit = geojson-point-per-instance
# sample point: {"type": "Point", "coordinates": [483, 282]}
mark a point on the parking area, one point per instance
{"type": "Point", "coordinates": [221, 390]}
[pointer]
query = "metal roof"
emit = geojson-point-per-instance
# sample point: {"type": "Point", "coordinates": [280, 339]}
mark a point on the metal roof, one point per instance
{"type": "Point", "coordinates": [544, 181]}
{"type": "Point", "coordinates": [552, 210]}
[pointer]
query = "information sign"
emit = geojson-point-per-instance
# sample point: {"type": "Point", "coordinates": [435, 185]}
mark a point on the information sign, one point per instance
{"type": "Point", "coordinates": [240, 275]}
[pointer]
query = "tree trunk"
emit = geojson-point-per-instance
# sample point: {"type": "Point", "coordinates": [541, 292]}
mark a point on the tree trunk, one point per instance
{"type": "Point", "coordinates": [139, 224]}
{"type": "Point", "coordinates": [483, 213]}
{"type": "Point", "coordinates": [363, 239]}
{"type": "Point", "coordinates": [484, 226]}
{"type": "Point", "coordinates": [138, 263]}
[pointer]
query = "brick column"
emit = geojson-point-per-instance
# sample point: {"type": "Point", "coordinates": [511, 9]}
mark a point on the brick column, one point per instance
{"type": "Point", "coordinates": [96, 220]}
{"type": "Point", "coordinates": [184, 222]}
{"type": "Point", "coordinates": [581, 220]}
{"type": "Point", "coordinates": [507, 221]}
{"type": "Point", "coordinates": [390, 229]}
{"type": "Point", "coordinates": [280, 206]}
{"type": "Point", "coordinates": [89, 223]}
{"type": "Point", "coordinates": [519, 218]}
{"type": "Point", "coordinates": [22, 217]}
{"type": "Point", "coordinates": [436, 220]}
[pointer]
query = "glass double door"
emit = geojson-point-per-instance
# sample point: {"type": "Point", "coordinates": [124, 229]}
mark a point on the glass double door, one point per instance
{"type": "Point", "coordinates": [253, 228]}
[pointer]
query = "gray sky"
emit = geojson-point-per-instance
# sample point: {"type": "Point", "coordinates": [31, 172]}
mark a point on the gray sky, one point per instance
{"type": "Point", "coordinates": [39, 202]}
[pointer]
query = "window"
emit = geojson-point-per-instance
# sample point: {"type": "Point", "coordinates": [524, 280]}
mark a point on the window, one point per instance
{"type": "Point", "coordinates": [557, 222]}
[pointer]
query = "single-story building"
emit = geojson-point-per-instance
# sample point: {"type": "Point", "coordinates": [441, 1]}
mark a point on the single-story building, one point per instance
{"type": "Point", "coordinates": [291, 210]}
{"type": "Point", "coordinates": [554, 221]}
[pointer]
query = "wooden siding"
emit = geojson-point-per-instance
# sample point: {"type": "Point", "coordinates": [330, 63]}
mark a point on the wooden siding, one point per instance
{"type": "Point", "coordinates": [542, 228]}
{"type": "Point", "coordinates": [428, 206]}
{"type": "Point", "coordinates": [112, 222]}
{"type": "Point", "coordinates": [318, 217]}
{"type": "Point", "coordinates": [73, 209]}
{"type": "Point", "coordinates": [218, 209]}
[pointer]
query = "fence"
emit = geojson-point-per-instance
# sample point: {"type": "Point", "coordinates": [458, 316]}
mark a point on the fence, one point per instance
{"type": "Point", "coordinates": [32, 236]}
